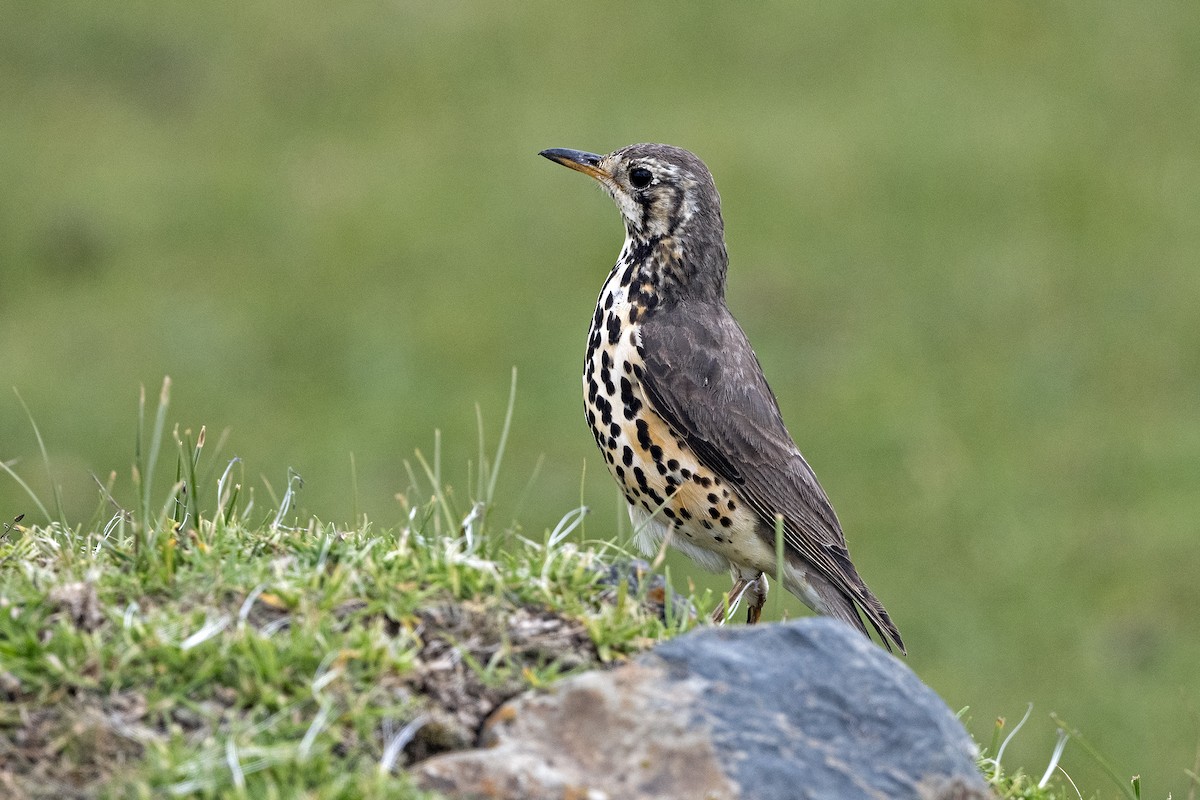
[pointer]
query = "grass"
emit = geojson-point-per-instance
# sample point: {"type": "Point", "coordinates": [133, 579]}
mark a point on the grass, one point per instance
{"type": "Point", "coordinates": [278, 661]}
{"type": "Point", "coordinates": [196, 643]}
{"type": "Point", "coordinates": [1055, 782]}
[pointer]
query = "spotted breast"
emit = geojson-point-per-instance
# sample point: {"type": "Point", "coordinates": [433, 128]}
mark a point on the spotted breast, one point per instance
{"type": "Point", "coordinates": [668, 488]}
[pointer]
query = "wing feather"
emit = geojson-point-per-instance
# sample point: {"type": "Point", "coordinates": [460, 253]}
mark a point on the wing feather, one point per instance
{"type": "Point", "coordinates": [702, 376]}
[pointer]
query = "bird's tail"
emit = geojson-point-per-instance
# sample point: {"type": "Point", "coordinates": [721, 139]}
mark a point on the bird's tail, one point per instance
{"type": "Point", "coordinates": [869, 606]}
{"type": "Point", "coordinates": [826, 598]}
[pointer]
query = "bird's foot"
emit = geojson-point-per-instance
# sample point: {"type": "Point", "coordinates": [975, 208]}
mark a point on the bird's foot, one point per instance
{"type": "Point", "coordinates": [756, 597]}
{"type": "Point", "coordinates": [754, 590]}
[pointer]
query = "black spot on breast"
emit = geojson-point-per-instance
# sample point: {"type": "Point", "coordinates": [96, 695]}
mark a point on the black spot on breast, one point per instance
{"type": "Point", "coordinates": [726, 522]}
{"type": "Point", "coordinates": [614, 429]}
{"type": "Point", "coordinates": [620, 473]}
{"type": "Point", "coordinates": [712, 512]}
{"type": "Point", "coordinates": [614, 328]}
{"type": "Point", "coordinates": [673, 465]}
{"type": "Point", "coordinates": [669, 513]}
{"type": "Point", "coordinates": [606, 373]}
{"type": "Point", "coordinates": [643, 434]}
{"type": "Point", "coordinates": [712, 498]}
{"type": "Point", "coordinates": [633, 315]}
{"type": "Point", "coordinates": [732, 506]}
{"type": "Point", "coordinates": [608, 301]}
{"type": "Point", "coordinates": [683, 512]}
{"type": "Point", "coordinates": [605, 408]}
{"type": "Point", "coordinates": [632, 404]}
{"type": "Point", "coordinates": [640, 476]}
{"type": "Point", "coordinates": [627, 455]}
{"type": "Point", "coordinates": [685, 473]}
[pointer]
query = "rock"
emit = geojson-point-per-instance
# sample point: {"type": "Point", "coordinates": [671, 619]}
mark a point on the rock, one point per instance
{"type": "Point", "coordinates": [804, 709]}
{"type": "Point", "coordinates": [650, 587]}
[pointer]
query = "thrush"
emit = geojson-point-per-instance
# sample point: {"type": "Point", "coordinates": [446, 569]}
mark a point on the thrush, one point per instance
{"type": "Point", "coordinates": [677, 402]}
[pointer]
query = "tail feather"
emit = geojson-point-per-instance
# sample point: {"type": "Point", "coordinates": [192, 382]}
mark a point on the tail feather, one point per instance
{"type": "Point", "coordinates": [825, 598]}
{"type": "Point", "coordinates": [881, 621]}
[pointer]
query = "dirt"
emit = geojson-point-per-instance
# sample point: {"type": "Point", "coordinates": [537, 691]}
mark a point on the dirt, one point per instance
{"type": "Point", "coordinates": [456, 637]}
{"type": "Point", "coordinates": [67, 750]}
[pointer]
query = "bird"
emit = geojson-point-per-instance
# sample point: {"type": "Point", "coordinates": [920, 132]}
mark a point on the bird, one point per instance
{"type": "Point", "coordinates": [677, 402]}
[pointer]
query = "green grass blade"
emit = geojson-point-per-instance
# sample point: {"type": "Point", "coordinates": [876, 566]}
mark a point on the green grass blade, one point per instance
{"type": "Point", "coordinates": [55, 489]}
{"type": "Point", "coordinates": [28, 490]}
{"type": "Point", "coordinates": [489, 497]}
{"type": "Point", "coordinates": [155, 444]}
{"type": "Point", "coordinates": [1131, 790]}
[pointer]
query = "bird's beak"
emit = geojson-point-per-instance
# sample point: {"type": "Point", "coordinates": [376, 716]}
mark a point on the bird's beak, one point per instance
{"type": "Point", "coordinates": [587, 163]}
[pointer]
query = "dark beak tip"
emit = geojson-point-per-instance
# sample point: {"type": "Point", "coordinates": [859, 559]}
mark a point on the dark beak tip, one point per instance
{"type": "Point", "coordinates": [562, 155]}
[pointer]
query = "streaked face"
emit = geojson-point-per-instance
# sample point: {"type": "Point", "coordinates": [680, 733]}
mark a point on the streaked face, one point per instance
{"type": "Point", "coordinates": [658, 189]}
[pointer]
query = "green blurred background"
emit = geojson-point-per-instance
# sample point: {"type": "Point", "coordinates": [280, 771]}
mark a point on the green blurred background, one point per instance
{"type": "Point", "coordinates": [964, 240]}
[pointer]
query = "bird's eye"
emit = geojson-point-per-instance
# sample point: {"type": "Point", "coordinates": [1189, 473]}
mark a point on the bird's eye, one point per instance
{"type": "Point", "coordinates": [640, 177]}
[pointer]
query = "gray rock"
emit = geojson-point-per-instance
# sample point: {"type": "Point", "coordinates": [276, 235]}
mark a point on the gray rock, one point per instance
{"type": "Point", "coordinates": [804, 709]}
{"type": "Point", "coordinates": [650, 587]}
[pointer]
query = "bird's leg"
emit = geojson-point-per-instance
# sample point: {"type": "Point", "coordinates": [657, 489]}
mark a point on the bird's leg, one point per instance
{"type": "Point", "coordinates": [732, 598]}
{"type": "Point", "coordinates": [756, 595]}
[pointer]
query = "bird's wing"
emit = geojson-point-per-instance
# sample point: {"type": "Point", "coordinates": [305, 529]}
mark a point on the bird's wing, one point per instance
{"type": "Point", "coordinates": [702, 377]}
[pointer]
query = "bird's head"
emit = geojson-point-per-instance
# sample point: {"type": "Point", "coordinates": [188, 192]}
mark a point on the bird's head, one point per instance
{"type": "Point", "coordinates": [662, 191]}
